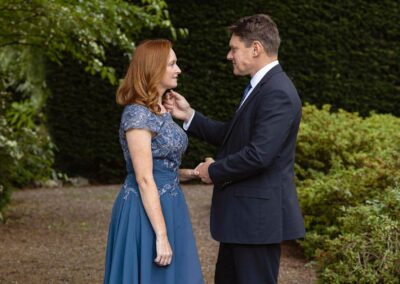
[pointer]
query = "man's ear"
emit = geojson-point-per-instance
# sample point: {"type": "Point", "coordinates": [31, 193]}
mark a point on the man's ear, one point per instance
{"type": "Point", "coordinates": [257, 48]}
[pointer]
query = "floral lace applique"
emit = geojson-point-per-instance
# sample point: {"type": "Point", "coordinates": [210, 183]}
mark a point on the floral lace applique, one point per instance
{"type": "Point", "coordinates": [170, 188]}
{"type": "Point", "coordinates": [168, 145]}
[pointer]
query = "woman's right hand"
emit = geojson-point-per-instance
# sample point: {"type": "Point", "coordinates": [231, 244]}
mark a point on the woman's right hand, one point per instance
{"type": "Point", "coordinates": [164, 251]}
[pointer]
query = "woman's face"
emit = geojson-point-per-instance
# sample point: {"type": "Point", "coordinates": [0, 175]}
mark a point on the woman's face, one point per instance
{"type": "Point", "coordinates": [170, 78]}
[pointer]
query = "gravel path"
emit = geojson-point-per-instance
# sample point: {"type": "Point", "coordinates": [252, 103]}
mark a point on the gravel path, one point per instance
{"type": "Point", "coordinates": [59, 236]}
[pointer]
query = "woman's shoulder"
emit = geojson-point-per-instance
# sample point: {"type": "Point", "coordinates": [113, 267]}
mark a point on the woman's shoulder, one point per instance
{"type": "Point", "coordinates": [139, 116]}
{"type": "Point", "coordinates": [137, 110]}
{"type": "Point", "coordinates": [142, 110]}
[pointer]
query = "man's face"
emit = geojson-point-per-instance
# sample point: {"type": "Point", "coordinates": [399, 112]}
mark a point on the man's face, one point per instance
{"type": "Point", "coordinates": [241, 57]}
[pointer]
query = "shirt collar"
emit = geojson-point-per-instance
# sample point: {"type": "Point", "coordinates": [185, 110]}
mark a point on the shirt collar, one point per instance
{"type": "Point", "coordinates": [261, 73]}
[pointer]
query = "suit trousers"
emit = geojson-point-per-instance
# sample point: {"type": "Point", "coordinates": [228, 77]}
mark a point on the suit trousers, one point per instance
{"type": "Point", "coordinates": [247, 264]}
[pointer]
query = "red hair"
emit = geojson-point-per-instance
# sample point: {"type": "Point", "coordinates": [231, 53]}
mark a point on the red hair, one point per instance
{"type": "Point", "coordinates": [145, 71]}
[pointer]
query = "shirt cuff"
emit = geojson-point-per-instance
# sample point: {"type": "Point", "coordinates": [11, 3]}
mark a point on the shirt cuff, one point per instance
{"type": "Point", "coordinates": [187, 123]}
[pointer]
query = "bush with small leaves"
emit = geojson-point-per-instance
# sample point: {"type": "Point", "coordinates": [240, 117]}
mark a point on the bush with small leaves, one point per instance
{"type": "Point", "coordinates": [368, 247]}
{"type": "Point", "coordinates": [348, 176]}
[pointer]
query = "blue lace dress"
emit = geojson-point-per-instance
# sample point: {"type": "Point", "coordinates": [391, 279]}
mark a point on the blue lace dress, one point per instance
{"type": "Point", "coordinates": [131, 241]}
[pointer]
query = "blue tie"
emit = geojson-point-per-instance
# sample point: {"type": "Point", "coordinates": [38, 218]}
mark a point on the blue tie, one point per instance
{"type": "Point", "coordinates": [246, 90]}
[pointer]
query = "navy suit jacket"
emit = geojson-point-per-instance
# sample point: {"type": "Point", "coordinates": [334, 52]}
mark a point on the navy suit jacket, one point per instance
{"type": "Point", "coordinates": [254, 199]}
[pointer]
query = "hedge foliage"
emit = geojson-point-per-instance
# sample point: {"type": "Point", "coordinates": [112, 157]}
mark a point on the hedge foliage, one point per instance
{"type": "Point", "coordinates": [367, 250]}
{"type": "Point", "coordinates": [83, 122]}
{"type": "Point", "coordinates": [8, 154]}
{"type": "Point", "coordinates": [348, 171]}
{"type": "Point", "coordinates": [26, 154]}
{"type": "Point", "coordinates": [342, 53]}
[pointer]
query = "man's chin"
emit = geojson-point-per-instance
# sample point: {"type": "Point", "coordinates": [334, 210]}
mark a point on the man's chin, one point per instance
{"type": "Point", "coordinates": [237, 73]}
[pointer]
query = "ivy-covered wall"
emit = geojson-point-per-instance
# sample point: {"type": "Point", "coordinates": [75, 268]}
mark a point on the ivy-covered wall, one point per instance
{"type": "Point", "coordinates": [344, 53]}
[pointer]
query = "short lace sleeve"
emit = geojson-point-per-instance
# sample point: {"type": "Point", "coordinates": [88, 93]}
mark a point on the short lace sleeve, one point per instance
{"type": "Point", "coordinates": [138, 116]}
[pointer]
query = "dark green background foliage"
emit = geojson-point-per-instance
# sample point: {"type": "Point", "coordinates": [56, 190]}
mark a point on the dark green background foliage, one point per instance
{"type": "Point", "coordinates": [345, 53]}
{"type": "Point", "coordinates": [84, 121]}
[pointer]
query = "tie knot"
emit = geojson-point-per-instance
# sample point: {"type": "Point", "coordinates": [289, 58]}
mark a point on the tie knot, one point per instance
{"type": "Point", "coordinates": [247, 89]}
{"type": "Point", "coordinates": [245, 92]}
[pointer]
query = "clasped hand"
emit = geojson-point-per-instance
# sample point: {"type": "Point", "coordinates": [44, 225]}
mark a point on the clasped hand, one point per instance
{"type": "Point", "coordinates": [201, 172]}
{"type": "Point", "coordinates": [202, 169]}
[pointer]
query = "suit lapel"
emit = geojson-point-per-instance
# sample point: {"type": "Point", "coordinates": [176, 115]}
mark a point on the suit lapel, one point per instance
{"type": "Point", "coordinates": [256, 92]}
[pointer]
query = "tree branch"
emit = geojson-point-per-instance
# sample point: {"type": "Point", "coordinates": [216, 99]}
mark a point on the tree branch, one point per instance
{"type": "Point", "coordinates": [18, 43]}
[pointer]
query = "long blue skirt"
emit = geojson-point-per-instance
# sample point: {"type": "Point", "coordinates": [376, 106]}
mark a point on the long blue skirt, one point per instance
{"type": "Point", "coordinates": [131, 241]}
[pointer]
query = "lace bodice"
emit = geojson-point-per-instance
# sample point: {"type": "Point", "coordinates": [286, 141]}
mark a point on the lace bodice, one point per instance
{"type": "Point", "coordinates": [167, 146]}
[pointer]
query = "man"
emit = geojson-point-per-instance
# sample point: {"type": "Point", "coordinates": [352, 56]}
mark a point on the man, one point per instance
{"type": "Point", "coordinates": [254, 205]}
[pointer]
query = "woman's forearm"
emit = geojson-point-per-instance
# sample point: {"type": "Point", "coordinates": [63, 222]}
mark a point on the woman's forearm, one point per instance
{"type": "Point", "coordinates": [151, 203]}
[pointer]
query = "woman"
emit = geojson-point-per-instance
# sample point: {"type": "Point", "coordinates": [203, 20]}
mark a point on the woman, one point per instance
{"type": "Point", "coordinates": [150, 237]}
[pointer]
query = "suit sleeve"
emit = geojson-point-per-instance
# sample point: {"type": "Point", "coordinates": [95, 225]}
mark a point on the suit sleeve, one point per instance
{"type": "Point", "coordinates": [273, 119]}
{"type": "Point", "coordinates": [209, 130]}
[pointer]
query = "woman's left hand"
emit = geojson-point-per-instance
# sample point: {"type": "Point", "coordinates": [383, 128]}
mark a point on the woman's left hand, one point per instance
{"type": "Point", "coordinates": [188, 174]}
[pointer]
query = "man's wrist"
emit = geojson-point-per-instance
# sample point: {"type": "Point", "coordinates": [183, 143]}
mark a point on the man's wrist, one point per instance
{"type": "Point", "coordinates": [189, 115]}
{"type": "Point", "coordinates": [187, 122]}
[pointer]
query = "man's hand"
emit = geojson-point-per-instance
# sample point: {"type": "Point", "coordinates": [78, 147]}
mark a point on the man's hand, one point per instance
{"type": "Point", "coordinates": [202, 169]}
{"type": "Point", "coordinates": [178, 106]}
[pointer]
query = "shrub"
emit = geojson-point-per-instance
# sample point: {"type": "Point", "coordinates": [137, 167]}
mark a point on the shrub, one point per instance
{"type": "Point", "coordinates": [326, 197]}
{"type": "Point", "coordinates": [33, 141]}
{"type": "Point", "coordinates": [9, 154]}
{"type": "Point", "coordinates": [37, 156]}
{"type": "Point", "coordinates": [26, 153]}
{"type": "Point", "coordinates": [348, 175]}
{"type": "Point", "coordinates": [368, 248]}
{"type": "Point", "coordinates": [345, 139]}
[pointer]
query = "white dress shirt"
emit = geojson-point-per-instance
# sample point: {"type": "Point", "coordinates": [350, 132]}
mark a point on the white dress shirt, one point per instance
{"type": "Point", "coordinates": [254, 81]}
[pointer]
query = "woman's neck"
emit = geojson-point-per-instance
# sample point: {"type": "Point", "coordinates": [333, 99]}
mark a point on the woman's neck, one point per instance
{"type": "Point", "coordinates": [163, 110]}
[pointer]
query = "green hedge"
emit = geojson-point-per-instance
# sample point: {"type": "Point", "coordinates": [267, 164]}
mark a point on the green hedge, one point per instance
{"type": "Point", "coordinates": [342, 53]}
{"type": "Point", "coordinates": [83, 122]}
{"type": "Point", "coordinates": [348, 171]}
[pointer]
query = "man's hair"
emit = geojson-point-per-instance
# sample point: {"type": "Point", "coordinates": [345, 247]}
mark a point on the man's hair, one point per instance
{"type": "Point", "coordinates": [260, 28]}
